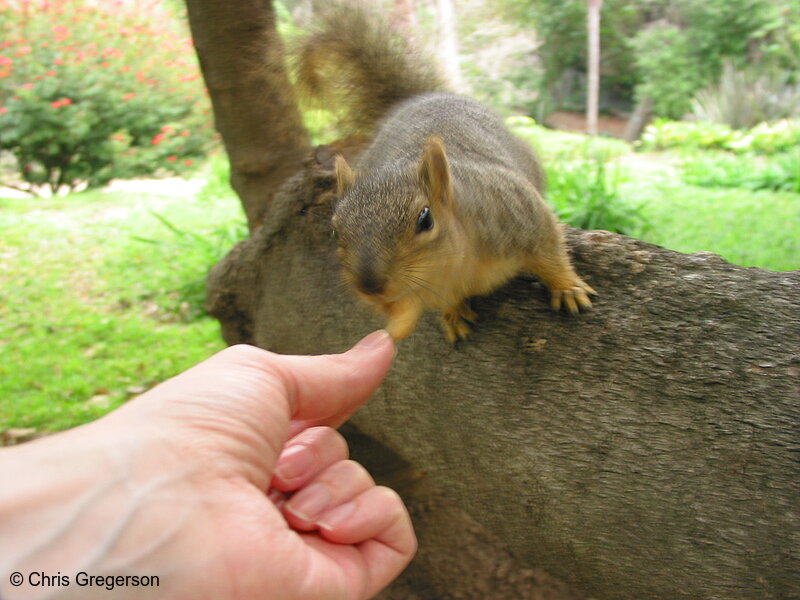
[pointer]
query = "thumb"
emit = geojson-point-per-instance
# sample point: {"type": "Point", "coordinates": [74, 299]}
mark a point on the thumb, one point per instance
{"type": "Point", "coordinates": [326, 390]}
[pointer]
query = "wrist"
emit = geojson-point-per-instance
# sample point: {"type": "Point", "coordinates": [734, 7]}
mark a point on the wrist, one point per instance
{"type": "Point", "coordinates": [84, 502]}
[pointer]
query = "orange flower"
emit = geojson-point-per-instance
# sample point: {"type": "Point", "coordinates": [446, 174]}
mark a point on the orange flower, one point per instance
{"type": "Point", "coordinates": [5, 70]}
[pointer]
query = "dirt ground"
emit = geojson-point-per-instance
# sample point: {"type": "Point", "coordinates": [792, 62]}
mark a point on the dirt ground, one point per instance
{"type": "Point", "coordinates": [570, 121]}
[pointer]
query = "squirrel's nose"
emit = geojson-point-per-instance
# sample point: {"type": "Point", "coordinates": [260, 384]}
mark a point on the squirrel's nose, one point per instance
{"type": "Point", "coordinates": [371, 284]}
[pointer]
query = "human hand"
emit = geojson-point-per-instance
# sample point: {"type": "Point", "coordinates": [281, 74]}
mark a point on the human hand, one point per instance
{"type": "Point", "coordinates": [181, 483]}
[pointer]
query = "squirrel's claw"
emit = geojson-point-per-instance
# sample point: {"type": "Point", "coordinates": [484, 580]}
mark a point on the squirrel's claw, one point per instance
{"type": "Point", "coordinates": [456, 322]}
{"type": "Point", "coordinates": [575, 299]}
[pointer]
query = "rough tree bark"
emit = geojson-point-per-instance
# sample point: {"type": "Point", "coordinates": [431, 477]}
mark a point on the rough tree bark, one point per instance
{"type": "Point", "coordinates": [647, 449]}
{"type": "Point", "coordinates": [242, 60]}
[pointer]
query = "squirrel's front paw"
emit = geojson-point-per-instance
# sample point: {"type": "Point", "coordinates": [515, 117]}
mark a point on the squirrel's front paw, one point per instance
{"type": "Point", "coordinates": [575, 298]}
{"type": "Point", "coordinates": [457, 321]}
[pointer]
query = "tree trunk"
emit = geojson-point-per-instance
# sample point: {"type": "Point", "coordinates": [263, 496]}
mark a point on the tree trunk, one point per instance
{"type": "Point", "coordinates": [593, 86]}
{"type": "Point", "coordinates": [639, 119]}
{"type": "Point", "coordinates": [241, 57]}
{"type": "Point", "coordinates": [404, 19]}
{"type": "Point", "coordinates": [448, 43]}
{"type": "Point", "coordinates": [646, 449]}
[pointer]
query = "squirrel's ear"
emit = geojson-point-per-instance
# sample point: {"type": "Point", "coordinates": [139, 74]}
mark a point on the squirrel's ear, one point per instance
{"type": "Point", "coordinates": [434, 172]}
{"type": "Point", "coordinates": [344, 175]}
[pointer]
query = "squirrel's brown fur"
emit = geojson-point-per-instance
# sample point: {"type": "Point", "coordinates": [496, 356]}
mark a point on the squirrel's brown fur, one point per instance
{"type": "Point", "coordinates": [445, 203]}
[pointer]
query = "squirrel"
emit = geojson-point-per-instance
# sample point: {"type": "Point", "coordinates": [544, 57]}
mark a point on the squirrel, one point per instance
{"type": "Point", "coordinates": [445, 203]}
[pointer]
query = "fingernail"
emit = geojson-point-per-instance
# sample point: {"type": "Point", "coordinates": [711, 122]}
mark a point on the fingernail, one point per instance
{"type": "Point", "coordinates": [294, 462]}
{"type": "Point", "coordinates": [310, 503]}
{"type": "Point", "coordinates": [374, 339]}
{"type": "Point", "coordinates": [337, 516]}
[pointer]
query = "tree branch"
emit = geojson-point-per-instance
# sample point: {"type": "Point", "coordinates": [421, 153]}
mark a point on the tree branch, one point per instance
{"type": "Point", "coordinates": [646, 449]}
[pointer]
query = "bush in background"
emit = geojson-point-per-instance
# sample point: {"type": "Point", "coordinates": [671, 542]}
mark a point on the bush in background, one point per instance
{"type": "Point", "coordinates": [586, 194]}
{"type": "Point", "coordinates": [93, 90]}
{"type": "Point", "coordinates": [781, 172]}
{"type": "Point", "coordinates": [669, 70]}
{"type": "Point", "coordinates": [764, 138]}
{"type": "Point", "coordinates": [743, 98]}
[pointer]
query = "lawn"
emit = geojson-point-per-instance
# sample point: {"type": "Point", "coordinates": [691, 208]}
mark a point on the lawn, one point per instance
{"type": "Point", "coordinates": [748, 228]}
{"type": "Point", "coordinates": [101, 298]}
{"type": "Point", "coordinates": [101, 293]}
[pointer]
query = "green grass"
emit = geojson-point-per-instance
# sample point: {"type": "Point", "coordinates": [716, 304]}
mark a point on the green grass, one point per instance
{"type": "Point", "coordinates": [747, 228]}
{"type": "Point", "coordinates": [99, 298]}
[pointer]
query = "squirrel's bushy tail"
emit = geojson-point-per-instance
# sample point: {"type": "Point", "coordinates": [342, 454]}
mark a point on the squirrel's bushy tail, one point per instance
{"type": "Point", "coordinates": [356, 65]}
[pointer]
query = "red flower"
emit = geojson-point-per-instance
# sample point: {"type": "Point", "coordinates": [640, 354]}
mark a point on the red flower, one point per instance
{"type": "Point", "coordinates": [157, 139]}
{"type": "Point", "coordinates": [61, 33]}
{"type": "Point", "coordinates": [172, 158]}
{"type": "Point", "coordinates": [188, 162]}
{"type": "Point", "coordinates": [56, 104]}
{"type": "Point", "coordinates": [51, 73]}
{"type": "Point", "coordinates": [66, 101]}
{"type": "Point", "coordinates": [128, 97]}
{"type": "Point", "coordinates": [3, 110]}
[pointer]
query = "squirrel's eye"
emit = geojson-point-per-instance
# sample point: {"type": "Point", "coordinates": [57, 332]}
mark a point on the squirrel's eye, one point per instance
{"type": "Point", "coordinates": [424, 220]}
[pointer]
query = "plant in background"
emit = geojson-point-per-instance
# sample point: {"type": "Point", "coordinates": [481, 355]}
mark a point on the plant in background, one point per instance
{"type": "Point", "coordinates": [669, 70]}
{"type": "Point", "coordinates": [742, 98]}
{"type": "Point", "coordinates": [764, 138]}
{"type": "Point", "coordinates": [584, 194]}
{"type": "Point", "coordinates": [780, 172]}
{"type": "Point", "coordinates": [93, 90]}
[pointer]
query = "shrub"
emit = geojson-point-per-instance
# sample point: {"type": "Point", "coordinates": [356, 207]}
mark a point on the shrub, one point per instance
{"type": "Point", "coordinates": [765, 138]}
{"type": "Point", "coordinates": [742, 98]}
{"type": "Point", "coordinates": [93, 90]}
{"type": "Point", "coordinates": [584, 194]}
{"type": "Point", "coordinates": [669, 71]}
{"type": "Point", "coordinates": [722, 169]}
